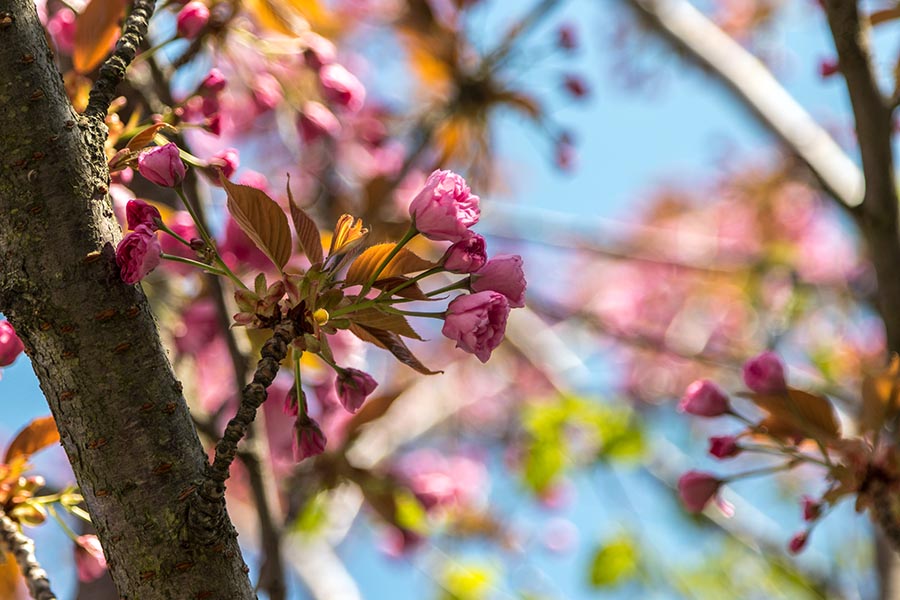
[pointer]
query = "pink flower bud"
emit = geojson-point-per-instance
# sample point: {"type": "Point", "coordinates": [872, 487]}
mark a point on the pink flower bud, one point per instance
{"type": "Point", "coordinates": [764, 374]}
{"type": "Point", "coordinates": [341, 87]}
{"type": "Point", "coordinates": [477, 322]}
{"type": "Point", "coordinates": [162, 165]}
{"type": "Point", "coordinates": [308, 439]}
{"type": "Point", "coordinates": [466, 256]}
{"type": "Point", "coordinates": [267, 92]}
{"type": "Point", "coordinates": [291, 406]}
{"type": "Point", "coordinates": [828, 67]}
{"type": "Point", "coordinates": [704, 399]}
{"type": "Point", "coordinates": [138, 212]}
{"type": "Point", "coordinates": [696, 489]}
{"type": "Point", "coordinates": [228, 160]}
{"type": "Point", "coordinates": [192, 19]}
{"type": "Point", "coordinates": [10, 344]}
{"type": "Point", "coordinates": [502, 274]}
{"type": "Point", "coordinates": [798, 542]}
{"type": "Point", "coordinates": [352, 387]}
{"type": "Point", "coordinates": [566, 38]}
{"type": "Point", "coordinates": [724, 446]}
{"type": "Point", "coordinates": [576, 86]}
{"type": "Point", "coordinates": [316, 121]}
{"type": "Point", "coordinates": [812, 509]}
{"type": "Point", "coordinates": [319, 51]}
{"type": "Point", "coordinates": [89, 560]}
{"type": "Point", "coordinates": [445, 208]}
{"type": "Point", "coordinates": [214, 82]}
{"type": "Point", "coordinates": [137, 254]}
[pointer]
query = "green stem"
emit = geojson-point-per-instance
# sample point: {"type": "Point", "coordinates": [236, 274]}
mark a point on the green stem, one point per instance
{"type": "Point", "coordinates": [339, 312]}
{"type": "Point", "coordinates": [764, 471]}
{"type": "Point", "coordinates": [298, 384]}
{"type": "Point", "coordinates": [65, 527]}
{"type": "Point", "coordinates": [193, 263]}
{"type": "Point", "coordinates": [412, 281]}
{"type": "Point", "coordinates": [414, 313]}
{"type": "Point", "coordinates": [776, 452]}
{"type": "Point", "coordinates": [462, 284]}
{"type": "Point", "coordinates": [163, 227]}
{"type": "Point", "coordinates": [151, 51]}
{"type": "Point", "coordinates": [410, 234]}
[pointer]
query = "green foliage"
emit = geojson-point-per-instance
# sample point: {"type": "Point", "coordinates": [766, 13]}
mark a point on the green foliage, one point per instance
{"type": "Point", "coordinates": [312, 517]}
{"type": "Point", "coordinates": [614, 563]}
{"type": "Point", "coordinates": [409, 513]}
{"type": "Point", "coordinates": [571, 430]}
{"type": "Point", "coordinates": [467, 581]}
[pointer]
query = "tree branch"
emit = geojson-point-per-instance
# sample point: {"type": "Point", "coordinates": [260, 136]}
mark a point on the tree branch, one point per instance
{"type": "Point", "coordinates": [112, 72]}
{"type": "Point", "coordinates": [21, 546]}
{"type": "Point", "coordinates": [755, 87]}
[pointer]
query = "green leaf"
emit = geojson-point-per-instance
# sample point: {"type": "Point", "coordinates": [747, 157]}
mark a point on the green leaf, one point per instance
{"type": "Point", "coordinates": [409, 512]}
{"type": "Point", "coordinates": [614, 563]}
{"type": "Point", "coordinates": [261, 219]}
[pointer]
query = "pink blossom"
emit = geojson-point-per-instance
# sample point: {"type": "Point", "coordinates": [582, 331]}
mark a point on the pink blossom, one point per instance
{"type": "Point", "coordinates": [199, 326]}
{"type": "Point", "coordinates": [341, 87]}
{"type": "Point", "coordinates": [764, 374]}
{"type": "Point", "coordinates": [704, 398]}
{"type": "Point", "coordinates": [137, 254]}
{"type": "Point", "coordinates": [89, 560]}
{"type": "Point", "coordinates": [798, 542]}
{"type": "Point", "coordinates": [445, 208]}
{"type": "Point", "coordinates": [267, 92]}
{"type": "Point", "coordinates": [502, 274]}
{"type": "Point", "coordinates": [192, 19]}
{"type": "Point", "coordinates": [61, 28]}
{"type": "Point", "coordinates": [477, 322]}
{"type": "Point", "coordinates": [162, 165]}
{"type": "Point", "coordinates": [466, 256]}
{"type": "Point", "coordinates": [319, 51]}
{"type": "Point", "coordinates": [352, 387]}
{"type": "Point", "coordinates": [308, 439]}
{"type": "Point", "coordinates": [228, 160]}
{"type": "Point", "coordinates": [214, 82]}
{"type": "Point", "coordinates": [440, 481]}
{"type": "Point", "coordinates": [696, 489]}
{"type": "Point", "coordinates": [724, 446]}
{"type": "Point", "coordinates": [138, 212]}
{"type": "Point", "coordinates": [10, 344]}
{"type": "Point", "coordinates": [560, 535]}
{"type": "Point", "coordinates": [316, 121]}
{"type": "Point", "coordinates": [812, 508]}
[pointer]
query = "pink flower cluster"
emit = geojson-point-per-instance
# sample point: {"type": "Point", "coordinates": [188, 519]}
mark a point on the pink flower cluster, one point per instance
{"type": "Point", "coordinates": [139, 252]}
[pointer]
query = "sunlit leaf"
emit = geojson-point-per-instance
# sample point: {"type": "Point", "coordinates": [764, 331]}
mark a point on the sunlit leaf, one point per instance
{"type": "Point", "coordinates": [614, 563]}
{"type": "Point", "coordinates": [375, 319]}
{"type": "Point", "coordinates": [9, 576]}
{"type": "Point", "coordinates": [261, 219]}
{"type": "Point", "coordinates": [35, 436]}
{"type": "Point", "coordinates": [307, 232]}
{"type": "Point", "coordinates": [365, 265]}
{"type": "Point", "coordinates": [467, 581]}
{"type": "Point", "coordinates": [145, 136]}
{"type": "Point", "coordinates": [409, 512]}
{"type": "Point", "coordinates": [798, 415]}
{"type": "Point", "coordinates": [96, 28]}
{"type": "Point", "coordinates": [412, 291]}
{"type": "Point", "coordinates": [881, 396]}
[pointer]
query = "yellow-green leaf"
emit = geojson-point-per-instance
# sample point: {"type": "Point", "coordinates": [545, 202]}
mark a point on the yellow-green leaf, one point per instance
{"type": "Point", "coordinates": [261, 219]}
{"type": "Point", "coordinates": [35, 436]}
{"type": "Point", "coordinates": [96, 28]}
{"type": "Point", "coordinates": [614, 563]}
{"type": "Point", "coordinates": [375, 319]}
{"type": "Point", "coordinates": [307, 232]}
{"type": "Point", "coordinates": [365, 265]}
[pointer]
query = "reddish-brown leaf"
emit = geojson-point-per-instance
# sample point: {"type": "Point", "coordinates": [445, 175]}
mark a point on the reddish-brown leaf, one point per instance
{"type": "Point", "coordinates": [365, 265]}
{"type": "Point", "coordinates": [145, 136]}
{"type": "Point", "coordinates": [881, 396]}
{"type": "Point", "coordinates": [96, 28]}
{"type": "Point", "coordinates": [798, 414]}
{"type": "Point", "coordinates": [375, 319]}
{"type": "Point", "coordinates": [394, 344]}
{"type": "Point", "coordinates": [261, 219]}
{"type": "Point", "coordinates": [307, 232]}
{"type": "Point", "coordinates": [35, 436]}
{"type": "Point", "coordinates": [413, 292]}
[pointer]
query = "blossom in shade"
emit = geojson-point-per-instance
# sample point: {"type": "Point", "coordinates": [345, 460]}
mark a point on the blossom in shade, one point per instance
{"type": "Point", "coordinates": [191, 19]}
{"type": "Point", "coordinates": [90, 563]}
{"type": "Point", "coordinates": [503, 274]}
{"type": "Point", "coordinates": [316, 121]}
{"type": "Point", "coordinates": [319, 51]}
{"type": "Point", "coordinates": [341, 87]}
{"type": "Point", "coordinates": [466, 256]}
{"type": "Point", "coordinates": [696, 489]}
{"type": "Point", "coordinates": [308, 439]}
{"type": "Point", "coordinates": [10, 344]}
{"type": "Point", "coordinates": [138, 212]}
{"type": "Point", "coordinates": [445, 208]}
{"type": "Point", "coordinates": [137, 254]}
{"type": "Point", "coordinates": [477, 322]}
{"type": "Point", "coordinates": [764, 374]}
{"type": "Point", "coordinates": [724, 446]}
{"type": "Point", "coordinates": [704, 398]}
{"type": "Point", "coordinates": [812, 508]}
{"type": "Point", "coordinates": [353, 387]}
{"type": "Point", "coordinates": [61, 28]}
{"type": "Point", "coordinates": [228, 160]}
{"type": "Point", "coordinates": [214, 82]}
{"type": "Point", "coordinates": [162, 165]}
{"type": "Point", "coordinates": [798, 542]}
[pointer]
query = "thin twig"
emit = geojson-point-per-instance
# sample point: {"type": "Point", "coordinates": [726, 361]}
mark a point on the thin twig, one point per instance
{"type": "Point", "coordinates": [22, 548]}
{"type": "Point", "coordinates": [113, 70]}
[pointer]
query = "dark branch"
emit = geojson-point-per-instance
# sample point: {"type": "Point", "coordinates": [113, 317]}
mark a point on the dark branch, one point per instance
{"type": "Point", "coordinates": [22, 548]}
{"type": "Point", "coordinates": [113, 70]}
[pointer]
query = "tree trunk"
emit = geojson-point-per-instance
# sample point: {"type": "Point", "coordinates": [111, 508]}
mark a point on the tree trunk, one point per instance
{"type": "Point", "coordinates": [92, 339]}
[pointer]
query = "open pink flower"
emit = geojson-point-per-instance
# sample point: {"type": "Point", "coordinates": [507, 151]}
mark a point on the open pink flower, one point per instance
{"type": "Point", "coordinates": [228, 160]}
{"type": "Point", "coordinates": [341, 87]}
{"type": "Point", "coordinates": [466, 256]}
{"type": "Point", "coordinates": [89, 560]}
{"type": "Point", "coordinates": [138, 212]}
{"type": "Point", "coordinates": [764, 374]}
{"type": "Point", "coordinates": [308, 439]}
{"type": "Point", "coordinates": [137, 254]}
{"type": "Point", "coordinates": [10, 344]}
{"type": "Point", "coordinates": [477, 322]}
{"type": "Point", "coordinates": [704, 399]}
{"type": "Point", "coordinates": [445, 209]}
{"type": "Point", "coordinates": [502, 274]}
{"type": "Point", "coordinates": [162, 165]}
{"type": "Point", "coordinates": [696, 489]}
{"type": "Point", "coordinates": [353, 387]}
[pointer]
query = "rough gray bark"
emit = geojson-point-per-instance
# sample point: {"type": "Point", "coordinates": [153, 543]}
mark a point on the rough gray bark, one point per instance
{"type": "Point", "coordinates": [92, 339]}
